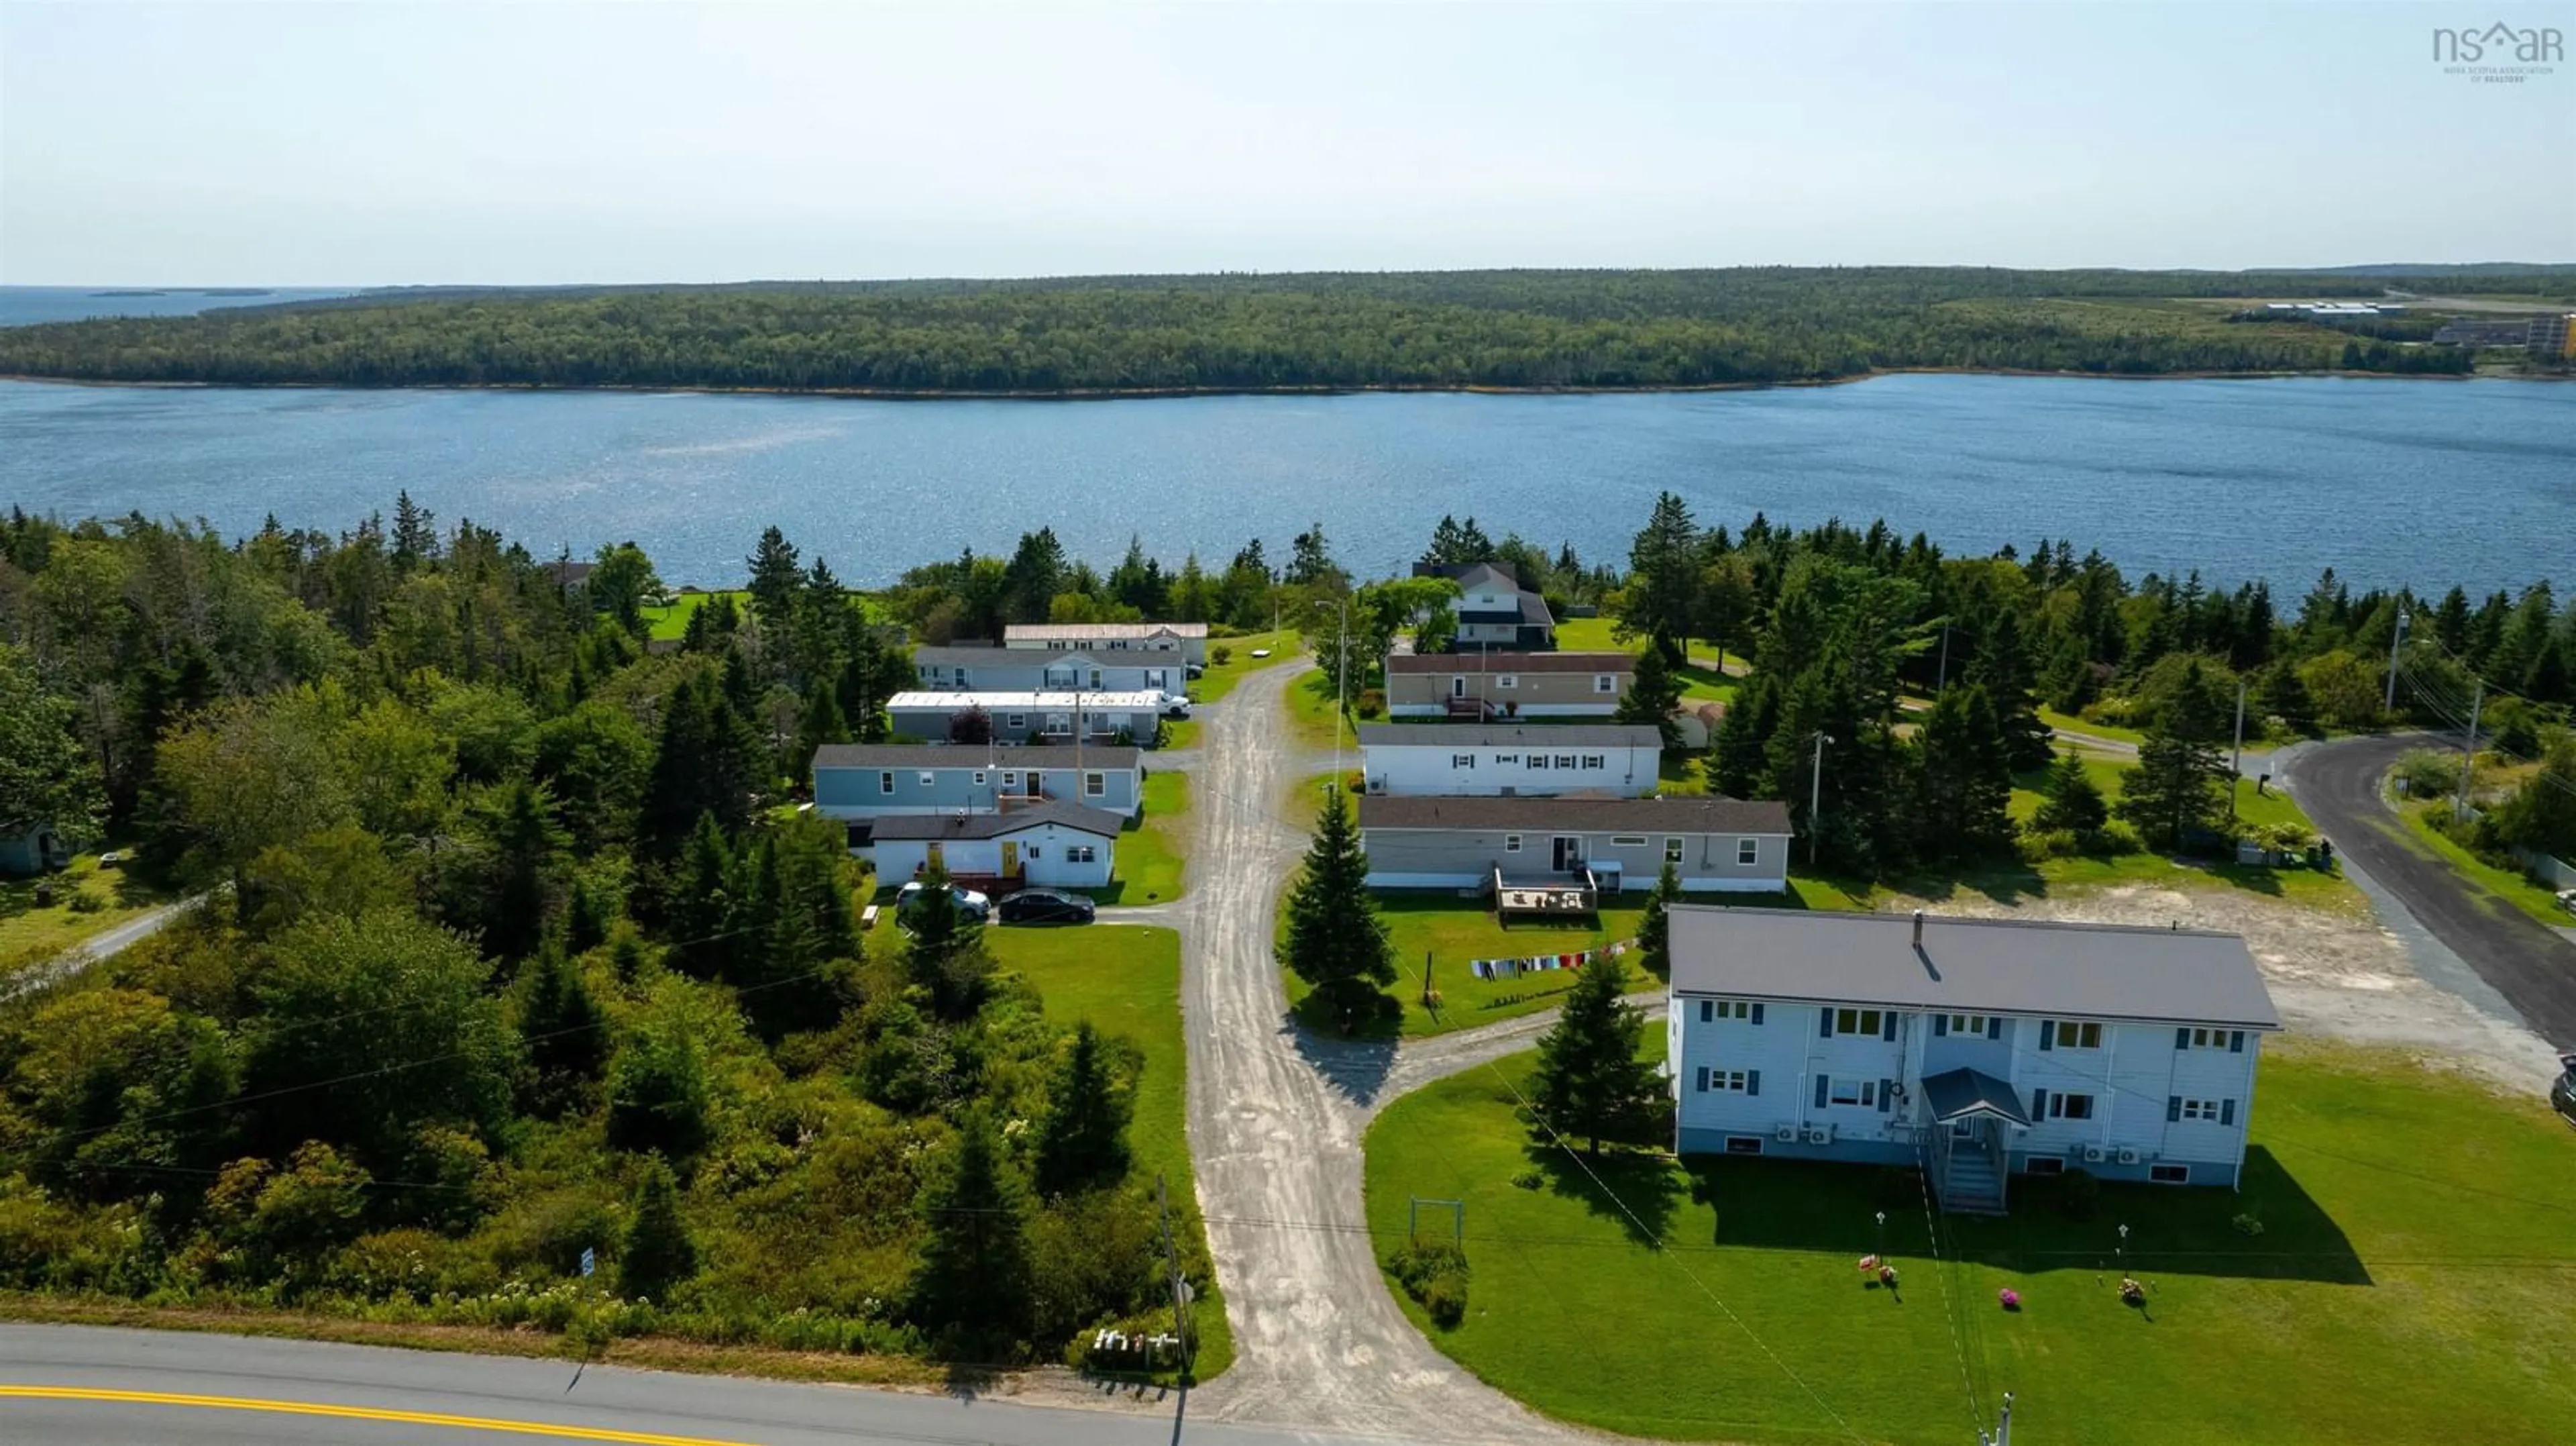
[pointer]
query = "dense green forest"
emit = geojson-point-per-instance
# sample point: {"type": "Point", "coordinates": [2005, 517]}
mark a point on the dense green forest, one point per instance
{"type": "Point", "coordinates": [1335, 330]}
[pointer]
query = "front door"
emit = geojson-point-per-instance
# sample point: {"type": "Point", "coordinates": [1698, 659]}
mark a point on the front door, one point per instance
{"type": "Point", "coordinates": [1569, 854]}
{"type": "Point", "coordinates": [1010, 859]}
{"type": "Point", "coordinates": [1457, 687]}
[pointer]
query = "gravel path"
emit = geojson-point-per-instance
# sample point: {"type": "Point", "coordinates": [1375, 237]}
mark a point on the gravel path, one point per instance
{"type": "Point", "coordinates": [1275, 1120]}
{"type": "Point", "coordinates": [105, 945]}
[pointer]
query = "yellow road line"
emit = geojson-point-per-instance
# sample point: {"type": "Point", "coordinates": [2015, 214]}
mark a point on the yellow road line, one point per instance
{"type": "Point", "coordinates": [354, 1413]}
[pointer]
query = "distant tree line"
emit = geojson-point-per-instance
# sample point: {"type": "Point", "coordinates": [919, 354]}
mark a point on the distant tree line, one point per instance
{"type": "Point", "coordinates": [1532, 329]}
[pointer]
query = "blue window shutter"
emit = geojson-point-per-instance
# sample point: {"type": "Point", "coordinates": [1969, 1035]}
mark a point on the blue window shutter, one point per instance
{"type": "Point", "coordinates": [1703, 1079]}
{"type": "Point", "coordinates": [1887, 1026]}
{"type": "Point", "coordinates": [2038, 1105]}
{"type": "Point", "coordinates": [2227, 1112]}
{"type": "Point", "coordinates": [2236, 1042]}
{"type": "Point", "coordinates": [1707, 1011]}
{"type": "Point", "coordinates": [1940, 1025]}
{"type": "Point", "coordinates": [2182, 1039]}
{"type": "Point", "coordinates": [2048, 1034]}
{"type": "Point", "coordinates": [1822, 1084]}
{"type": "Point", "coordinates": [1825, 1023]}
{"type": "Point", "coordinates": [1753, 1081]}
{"type": "Point", "coordinates": [2173, 1108]}
{"type": "Point", "coordinates": [1995, 1027]}
{"type": "Point", "coordinates": [1886, 1096]}
{"type": "Point", "coordinates": [1757, 1014]}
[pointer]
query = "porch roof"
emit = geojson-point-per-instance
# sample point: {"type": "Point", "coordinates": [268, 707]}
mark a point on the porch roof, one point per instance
{"type": "Point", "coordinates": [1957, 1092]}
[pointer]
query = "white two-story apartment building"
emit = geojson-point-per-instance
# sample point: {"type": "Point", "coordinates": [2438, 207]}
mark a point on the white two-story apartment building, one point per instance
{"type": "Point", "coordinates": [1501, 760]}
{"type": "Point", "coordinates": [1976, 1049]}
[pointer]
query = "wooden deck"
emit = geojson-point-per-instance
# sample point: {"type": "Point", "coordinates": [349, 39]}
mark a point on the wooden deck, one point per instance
{"type": "Point", "coordinates": [1568, 898]}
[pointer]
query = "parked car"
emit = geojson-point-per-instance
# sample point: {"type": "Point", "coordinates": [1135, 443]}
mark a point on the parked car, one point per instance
{"type": "Point", "coordinates": [1047, 906]}
{"type": "Point", "coordinates": [973, 905]}
{"type": "Point", "coordinates": [1193, 670]}
{"type": "Point", "coordinates": [2567, 900]}
{"type": "Point", "coordinates": [2562, 1095]}
{"type": "Point", "coordinates": [1175, 706]}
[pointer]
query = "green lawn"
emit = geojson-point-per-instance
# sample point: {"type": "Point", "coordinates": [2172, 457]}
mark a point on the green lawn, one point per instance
{"type": "Point", "coordinates": [1127, 981]}
{"type": "Point", "coordinates": [2073, 724]}
{"type": "Point", "coordinates": [2307, 887]}
{"type": "Point", "coordinates": [2410, 1283]}
{"type": "Point", "coordinates": [30, 935]}
{"type": "Point", "coordinates": [2507, 887]}
{"type": "Point", "coordinates": [1180, 733]}
{"type": "Point", "coordinates": [1592, 635]}
{"type": "Point", "coordinates": [1220, 678]}
{"type": "Point", "coordinates": [1311, 715]}
{"type": "Point", "coordinates": [668, 623]}
{"type": "Point", "coordinates": [1152, 854]}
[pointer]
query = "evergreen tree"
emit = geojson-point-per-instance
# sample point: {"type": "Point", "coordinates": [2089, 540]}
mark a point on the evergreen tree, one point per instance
{"type": "Point", "coordinates": [709, 760]}
{"type": "Point", "coordinates": [1652, 695]}
{"type": "Point", "coordinates": [974, 1286]}
{"type": "Point", "coordinates": [1655, 926]}
{"type": "Point", "coordinates": [1740, 753]}
{"type": "Point", "coordinates": [945, 957]}
{"type": "Point", "coordinates": [2177, 787]}
{"type": "Point", "coordinates": [700, 911]}
{"type": "Point", "coordinates": [1035, 575]}
{"type": "Point", "coordinates": [657, 1094]}
{"type": "Point", "coordinates": [1336, 941]}
{"type": "Point", "coordinates": [1590, 1083]}
{"type": "Point", "coordinates": [415, 533]}
{"type": "Point", "coordinates": [524, 848]}
{"type": "Point", "coordinates": [2073, 802]}
{"type": "Point", "coordinates": [2279, 692]}
{"type": "Point", "coordinates": [1965, 777]}
{"type": "Point", "coordinates": [563, 1029]}
{"type": "Point", "coordinates": [776, 577]}
{"type": "Point", "coordinates": [2002, 667]}
{"type": "Point", "coordinates": [1663, 573]}
{"type": "Point", "coordinates": [1082, 1141]}
{"type": "Point", "coordinates": [821, 723]}
{"type": "Point", "coordinates": [2546, 680]}
{"type": "Point", "coordinates": [657, 1255]}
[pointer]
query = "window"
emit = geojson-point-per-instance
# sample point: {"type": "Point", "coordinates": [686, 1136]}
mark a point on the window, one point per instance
{"type": "Point", "coordinates": [1010, 783]}
{"type": "Point", "coordinates": [1604, 683]}
{"type": "Point", "coordinates": [1457, 687]}
{"type": "Point", "coordinates": [2197, 1110]}
{"type": "Point", "coordinates": [1856, 1021]}
{"type": "Point", "coordinates": [1508, 680]}
{"type": "Point", "coordinates": [1967, 1024]}
{"type": "Point", "coordinates": [1672, 849]}
{"type": "Point", "coordinates": [2045, 1165]}
{"type": "Point", "coordinates": [927, 778]}
{"type": "Point", "coordinates": [1731, 1081]}
{"type": "Point", "coordinates": [1538, 762]}
{"type": "Point", "coordinates": [1566, 760]}
{"type": "Point", "coordinates": [1744, 1144]}
{"type": "Point", "coordinates": [1094, 784]}
{"type": "Point", "coordinates": [2073, 1035]}
{"type": "Point", "coordinates": [1081, 854]}
{"type": "Point", "coordinates": [1748, 852]}
{"type": "Point", "coordinates": [1507, 760]}
{"type": "Point", "coordinates": [1710, 1009]}
{"type": "Point", "coordinates": [1033, 851]}
{"type": "Point", "coordinates": [2064, 1106]}
{"type": "Point", "coordinates": [1016, 720]}
{"type": "Point", "coordinates": [2169, 1174]}
{"type": "Point", "coordinates": [1861, 1092]}
{"type": "Point", "coordinates": [2229, 1039]}
{"type": "Point", "coordinates": [885, 783]}
{"type": "Point", "coordinates": [1511, 843]}
{"type": "Point", "coordinates": [1462, 760]}
{"type": "Point", "coordinates": [1594, 760]}
{"type": "Point", "coordinates": [1627, 840]}
{"type": "Point", "coordinates": [979, 778]}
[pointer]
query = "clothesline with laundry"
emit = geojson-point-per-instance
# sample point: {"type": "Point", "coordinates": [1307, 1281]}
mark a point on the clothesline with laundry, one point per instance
{"type": "Point", "coordinates": [1513, 968]}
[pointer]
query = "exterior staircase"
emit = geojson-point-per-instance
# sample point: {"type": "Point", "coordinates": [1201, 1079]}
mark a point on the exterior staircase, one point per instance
{"type": "Point", "coordinates": [1969, 1186]}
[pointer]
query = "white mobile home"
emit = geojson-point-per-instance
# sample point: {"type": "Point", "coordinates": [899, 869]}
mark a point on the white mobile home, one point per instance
{"type": "Point", "coordinates": [1045, 845]}
{"type": "Point", "coordinates": [1042, 670]}
{"type": "Point", "coordinates": [1029, 717]}
{"type": "Point", "coordinates": [1714, 844]}
{"type": "Point", "coordinates": [1187, 639]}
{"type": "Point", "coordinates": [1976, 1049]}
{"type": "Point", "coordinates": [879, 780]}
{"type": "Point", "coordinates": [1534, 760]}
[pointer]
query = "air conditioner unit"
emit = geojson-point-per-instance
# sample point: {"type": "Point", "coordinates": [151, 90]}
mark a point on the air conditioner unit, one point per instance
{"type": "Point", "coordinates": [1820, 1134]}
{"type": "Point", "coordinates": [2128, 1157]}
{"type": "Point", "coordinates": [1786, 1134]}
{"type": "Point", "coordinates": [2093, 1154]}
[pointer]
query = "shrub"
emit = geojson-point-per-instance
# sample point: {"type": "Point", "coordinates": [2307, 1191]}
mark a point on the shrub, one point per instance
{"type": "Point", "coordinates": [1372, 703]}
{"type": "Point", "coordinates": [2247, 1224]}
{"type": "Point", "coordinates": [2429, 774]}
{"type": "Point", "coordinates": [1435, 1275]}
{"type": "Point", "coordinates": [2079, 1194]}
{"type": "Point", "coordinates": [1220, 655]}
{"type": "Point", "coordinates": [85, 902]}
{"type": "Point", "coordinates": [1529, 1180]}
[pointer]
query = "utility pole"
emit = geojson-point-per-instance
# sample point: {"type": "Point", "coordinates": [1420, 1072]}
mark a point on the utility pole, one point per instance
{"type": "Point", "coordinates": [1816, 796]}
{"type": "Point", "coordinates": [2469, 754]}
{"type": "Point", "coordinates": [1341, 690]}
{"type": "Point", "coordinates": [1943, 680]}
{"type": "Point", "coordinates": [2236, 757]}
{"type": "Point", "coordinates": [1172, 1261]}
{"type": "Point", "coordinates": [2396, 641]}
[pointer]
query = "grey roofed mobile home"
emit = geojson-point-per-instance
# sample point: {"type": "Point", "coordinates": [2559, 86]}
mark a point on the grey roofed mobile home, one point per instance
{"type": "Point", "coordinates": [1715, 844]}
{"type": "Point", "coordinates": [1971, 966]}
{"type": "Point", "coordinates": [1005, 670]}
{"type": "Point", "coordinates": [877, 780]}
{"type": "Point", "coordinates": [1490, 735]}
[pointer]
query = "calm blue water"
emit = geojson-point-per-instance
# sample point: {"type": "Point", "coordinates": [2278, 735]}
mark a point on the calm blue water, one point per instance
{"type": "Point", "coordinates": [26, 305]}
{"type": "Point", "coordinates": [2389, 481]}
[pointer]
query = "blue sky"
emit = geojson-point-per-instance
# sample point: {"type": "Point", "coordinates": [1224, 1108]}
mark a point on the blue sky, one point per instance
{"type": "Point", "coordinates": [358, 143]}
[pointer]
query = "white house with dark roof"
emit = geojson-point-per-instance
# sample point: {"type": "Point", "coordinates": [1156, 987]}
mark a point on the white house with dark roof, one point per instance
{"type": "Point", "coordinates": [1714, 844]}
{"type": "Point", "coordinates": [1045, 845]}
{"type": "Point", "coordinates": [1507, 685]}
{"type": "Point", "coordinates": [1048, 670]}
{"type": "Point", "coordinates": [877, 780]}
{"type": "Point", "coordinates": [1510, 761]}
{"type": "Point", "coordinates": [1976, 1049]}
{"type": "Point", "coordinates": [1495, 611]}
{"type": "Point", "coordinates": [1187, 639]}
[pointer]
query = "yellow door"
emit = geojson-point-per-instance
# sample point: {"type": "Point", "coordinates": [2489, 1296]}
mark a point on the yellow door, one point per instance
{"type": "Point", "coordinates": [937, 859]}
{"type": "Point", "coordinates": [1010, 859]}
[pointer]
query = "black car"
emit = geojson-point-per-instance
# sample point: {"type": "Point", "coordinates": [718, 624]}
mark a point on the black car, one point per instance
{"type": "Point", "coordinates": [2562, 1095]}
{"type": "Point", "coordinates": [1046, 906]}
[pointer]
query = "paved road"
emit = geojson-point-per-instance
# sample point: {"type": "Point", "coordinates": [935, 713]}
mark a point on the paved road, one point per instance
{"type": "Point", "coordinates": [182, 1389]}
{"type": "Point", "coordinates": [2529, 966]}
{"type": "Point", "coordinates": [104, 945]}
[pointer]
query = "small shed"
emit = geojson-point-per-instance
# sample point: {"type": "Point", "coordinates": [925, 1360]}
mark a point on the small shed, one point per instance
{"type": "Point", "coordinates": [32, 848]}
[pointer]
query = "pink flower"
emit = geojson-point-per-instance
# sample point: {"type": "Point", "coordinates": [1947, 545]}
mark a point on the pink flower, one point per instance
{"type": "Point", "coordinates": [2010, 1297]}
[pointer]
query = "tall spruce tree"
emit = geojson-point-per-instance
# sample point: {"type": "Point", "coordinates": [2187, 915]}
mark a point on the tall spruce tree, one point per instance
{"type": "Point", "coordinates": [2176, 789]}
{"type": "Point", "coordinates": [1336, 941]}
{"type": "Point", "coordinates": [1964, 778]}
{"type": "Point", "coordinates": [1591, 1084]}
{"type": "Point", "coordinates": [1653, 694]}
{"type": "Point", "coordinates": [1663, 573]}
{"type": "Point", "coordinates": [1655, 927]}
{"type": "Point", "coordinates": [657, 1255]}
{"type": "Point", "coordinates": [776, 578]}
{"type": "Point", "coordinates": [1082, 1141]}
{"type": "Point", "coordinates": [974, 1286]}
{"type": "Point", "coordinates": [945, 957]}
{"type": "Point", "coordinates": [2073, 802]}
{"type": "Point", "coordinates": [2003, 668]}
{"type": "Point", "coordinates": [565, 1032]}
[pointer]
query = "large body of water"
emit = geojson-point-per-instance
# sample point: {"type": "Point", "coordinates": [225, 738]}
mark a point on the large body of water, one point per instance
{"type": "Point", "coordinates": [2417, 482]}
{"type": "Point", "coordinates": [27, 305]}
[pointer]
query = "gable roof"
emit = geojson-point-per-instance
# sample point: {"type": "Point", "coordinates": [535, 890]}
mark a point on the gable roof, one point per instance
{"type": "Point", "coordinates": [1971, 966]}
{"type": "Point", "coordinates": [1957, 1092]}
{"type": "Point", "coordinates": [1589, 815]}
{"type": "Point", "coordinates": [954, 656]}
{"type": "Point", "coordinates": [942, 827]}
{"type": "Point", "coordinates": [970, 755]}
{"type": "Point", "coordinates": [1511, 662]}
{"type": "Point", "coordinates": [1073, 632]}
{"type": "Point", "coordinates": [1508, 735]}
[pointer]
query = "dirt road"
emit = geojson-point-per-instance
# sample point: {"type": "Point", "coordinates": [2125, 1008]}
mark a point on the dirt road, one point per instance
{"type": "Point", "coordinates": [1275, 1123]}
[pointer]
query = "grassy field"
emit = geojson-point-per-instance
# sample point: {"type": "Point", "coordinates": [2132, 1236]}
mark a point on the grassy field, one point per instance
{"type": "Point", "coordinates": [1127, 981]}
{"type": "Point", "coordinates": [2073, 724]}
{"type": "Point", "coordinates": [1152, 854]}
{"type": "Point", "coordinates": [2508, 886]}
{"type": "Point", "coordinates": [1220, 678]}
{"type": "Point", "coordinates": [2331, 892]}
{"type": "Point", "coordinates": [2409, 1284]}
{"type": "Point", "coordinates": [30, 935]}
{"type": "Point", "coordinates": [1592, 635]}
{"type": "Point", "coordinates": [1311, 716]}
{"type": "Point", "coordinates": [668, 623]}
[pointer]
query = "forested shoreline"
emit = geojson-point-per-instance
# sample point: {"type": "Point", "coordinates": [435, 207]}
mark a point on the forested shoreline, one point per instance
{"type": "Point", "coordinates": [1110, 336]}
